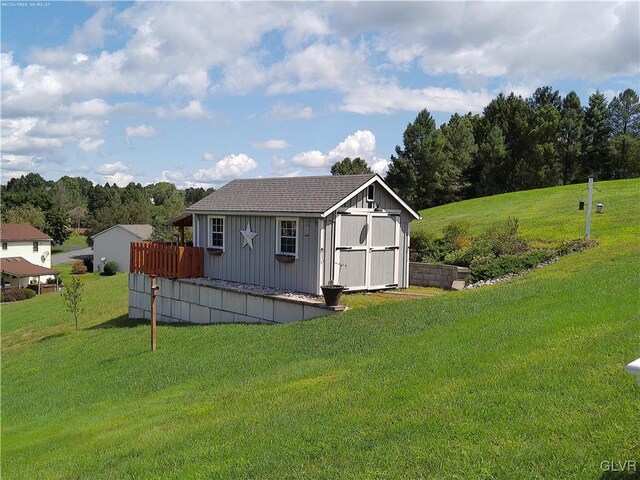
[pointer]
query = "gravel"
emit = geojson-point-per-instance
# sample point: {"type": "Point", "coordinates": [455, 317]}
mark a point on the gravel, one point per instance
{"type": "Point", "coordinates": [258, 289]}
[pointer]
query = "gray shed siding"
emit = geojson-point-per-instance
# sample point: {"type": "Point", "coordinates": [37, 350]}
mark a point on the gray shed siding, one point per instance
{"type": "Point", "coordinates": [386, 202]}
{"type": "Point", "coordinates": [259, 266]}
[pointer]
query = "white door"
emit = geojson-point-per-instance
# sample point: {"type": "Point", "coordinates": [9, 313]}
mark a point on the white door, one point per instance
{"type": "Point", "coordinates": [367, 250]}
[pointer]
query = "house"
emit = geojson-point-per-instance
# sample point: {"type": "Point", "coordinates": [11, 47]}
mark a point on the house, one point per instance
{"type": "Point", "coordinates": [25, 257]}
{"type": "Point", "coordinates": [113, 244]}
{"type": "Point", "coordinates": [299, 233]}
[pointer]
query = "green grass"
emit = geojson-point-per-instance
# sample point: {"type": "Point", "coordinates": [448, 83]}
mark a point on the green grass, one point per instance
{"type": "Point", "coordinates": [519, 380]}
{"type": "Point", "coordinates": [74, 240]}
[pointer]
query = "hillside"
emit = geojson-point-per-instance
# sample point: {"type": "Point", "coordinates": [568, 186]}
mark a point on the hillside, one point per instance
{"type": "Point", "coordinates": [519, 380]}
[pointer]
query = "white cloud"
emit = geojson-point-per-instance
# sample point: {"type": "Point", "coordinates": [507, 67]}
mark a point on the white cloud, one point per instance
{"type": "Point", "coordinates": [208, 157]}
{"type": "Point", "coordinates": [193, 111]}
{"type": "Point", "coordinates": [279, 163]}
{"type": "Point", "coordinates": [280, 111]}
{"type": "Point", "coordinates": [142, 131]}
{"type": "Point", "coordinates": [119, 178]}
{"type": "Point", "coordinates": [112, 168]}
{"type": "Point", "coordinates": [271, 145]}
{"type": "Point", "coordinates": [89, 144]}
{"type": "Point", "coordinates": [231, 166]}
{"type": "Point", "coordinates": [379, 166]}
{"type": "Point", "coordinates": [389, 98]}
{"type": "Point", "coordinates": [359, 144]}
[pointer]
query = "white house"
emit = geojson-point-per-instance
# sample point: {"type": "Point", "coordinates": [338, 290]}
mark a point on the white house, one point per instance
{"type": "Point", "coordinates": [25, 256]}
{"type": "Point", "coordinates": [114, 244]}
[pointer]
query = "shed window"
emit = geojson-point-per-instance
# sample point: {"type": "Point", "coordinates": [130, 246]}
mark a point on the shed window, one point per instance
{"type": "Point", "coordinates": [217, 232]}
{"type": "Point", "coordinates": [288, 236]}
{"type": "Point", "coordinates": [4, 245]}
{"type": "Point", "coordinates": [371, 190]}
{"type": "Point", "coordinates": [35, 246]}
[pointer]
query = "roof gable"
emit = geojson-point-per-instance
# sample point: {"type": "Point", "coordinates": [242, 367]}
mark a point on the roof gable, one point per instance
{"type": "Point", "coordinates": [13, 232]}
{"type": "Point", "coordinates": [143, 231]}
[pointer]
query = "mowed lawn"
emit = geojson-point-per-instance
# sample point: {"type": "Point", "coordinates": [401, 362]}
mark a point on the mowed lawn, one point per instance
{"type": "Point", "coordinates": [519, 380]}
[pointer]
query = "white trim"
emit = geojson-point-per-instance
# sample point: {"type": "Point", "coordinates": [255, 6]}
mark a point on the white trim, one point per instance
{"type": "Point", "coordinates": [194, 233]}
{"type": "Point", "coordinates": [292, 219]}
{"type": "Point", "coordinates": [121, 225]}
{"type": "Point", "coordinates": [209, 231]}
{"type": "Point", "coordinates": [379, 180]}
{"type": "Point", "coordinates": [321, 247]}
{"type": "Point", "coordinates": [356, 210]}
{"type": "Point", "coordinates": [256, 214]}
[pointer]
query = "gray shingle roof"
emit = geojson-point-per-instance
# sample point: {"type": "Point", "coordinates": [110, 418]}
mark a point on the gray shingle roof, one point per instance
{"type": "Point", "coordinates": [284, 194]}
{"type": "Point", "coordinates": [142, 230]}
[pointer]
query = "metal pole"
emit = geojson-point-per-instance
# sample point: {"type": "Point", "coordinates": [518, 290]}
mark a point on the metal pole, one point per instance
{"type": "Point", "coordinates": [589, 208]}
{"type": "Point", "coordinates": [154, 293]}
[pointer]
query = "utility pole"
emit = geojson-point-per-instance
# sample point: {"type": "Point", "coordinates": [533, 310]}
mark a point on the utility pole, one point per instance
{"type": "Point", "coordinates": [589, 209]}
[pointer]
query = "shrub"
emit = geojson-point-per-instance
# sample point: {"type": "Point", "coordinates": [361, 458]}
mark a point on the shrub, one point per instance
{"type": "Point", "coordinates": [572, 246]}
{"type": "Point", "coordinates": [111, 268]}
{"type": "Point", "coordinates": [426, 247]}
{"type": "Point", "coordinates": [88, 262]}
{"type": "Point", "coordinates": [13, 295]}
{"type": "Point", "coordinates": [456, 236]}
{"type": "Point", "coordinates": [79, 268]}
{"type": "Point", "coordinates": [28, 293]}
{"type": "Point", "coordinates": [503, 265]}
{"type": "Point", "coordinates": [503, 239]}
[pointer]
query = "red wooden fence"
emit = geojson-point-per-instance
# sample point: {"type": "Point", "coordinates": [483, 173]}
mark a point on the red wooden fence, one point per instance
{"type": "Point", "coordinates": [167, 261]}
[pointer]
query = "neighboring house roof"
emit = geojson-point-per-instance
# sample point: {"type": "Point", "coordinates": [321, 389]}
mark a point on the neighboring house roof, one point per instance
{"type": "Point", "coordinates": [13, 232]}
{"type": "Point", "coordinates": [21, 268]}
{"type": "Point", "coordinates": [143, 231]}
{"type": "Point", "coordinates": [312, 195]}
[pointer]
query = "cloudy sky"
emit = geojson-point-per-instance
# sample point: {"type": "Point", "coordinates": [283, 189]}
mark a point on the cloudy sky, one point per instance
{"type": "Point", "coordinates": [200, 93]}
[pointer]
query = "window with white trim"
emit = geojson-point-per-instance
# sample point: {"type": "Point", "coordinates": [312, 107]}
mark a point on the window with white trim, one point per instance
{"type": "Point", "coordinates": [371, 191]}
{"type": "Point", "coordinates": [216, 232]}
{"type": "Point", "coordinates": [287, 240]}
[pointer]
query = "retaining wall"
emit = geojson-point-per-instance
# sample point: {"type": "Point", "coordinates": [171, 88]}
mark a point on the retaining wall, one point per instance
{"type": "Point", "coordinates": [187, 301]}
{"type": "Point", "coordinates": [437, 275]}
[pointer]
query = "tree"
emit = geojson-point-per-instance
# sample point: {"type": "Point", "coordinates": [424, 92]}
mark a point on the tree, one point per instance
{"type": "Point", "coordinates": [407, 170]}
{"type": "Point", "coordinates": [192, 195]}
{"type": "Point", "coordinates": [72, 295]}
{"type": "Point", "coordinates": [56, 226]}
{"type": "Point", "coordinates": [596, 152]}
{"type": "Point", "coordinates": [492, 153]}
{"type": "Point", "coordinates": [461, 149]}
{"type": "Point", "coordinates": [357, 166]}
{"type": "Point", "coordinates": [26, 214]}
{"type": "Point", "coordinates": [545, 96]}
{"type": "Point", "coordinates": [569, 140]}
{"type": "Point", "coordinates": [541, 168]}
{"type": "Point", "coordinates": [625, 113]}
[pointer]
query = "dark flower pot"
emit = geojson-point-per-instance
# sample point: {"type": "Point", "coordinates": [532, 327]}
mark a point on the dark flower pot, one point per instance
{"type": "Point", "coordinates": [332, 294]}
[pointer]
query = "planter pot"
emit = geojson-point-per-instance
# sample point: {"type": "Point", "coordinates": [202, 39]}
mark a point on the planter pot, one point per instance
{"type": "Point", "coordinates": [285, 258]}
{"type": "Point", "coordinates": [214, 251]}
{"type": "Point", "coordinates": [332, 294]}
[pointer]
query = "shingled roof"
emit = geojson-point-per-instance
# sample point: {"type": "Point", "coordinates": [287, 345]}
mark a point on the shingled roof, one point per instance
{"type": "Point", "coordinates": [284, 194]}
{"type": "Point", "coordinates": [13, 232]}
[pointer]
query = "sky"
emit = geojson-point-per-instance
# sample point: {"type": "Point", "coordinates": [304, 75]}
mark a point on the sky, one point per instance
{"type": "Point", "coordinates": [200, 93]}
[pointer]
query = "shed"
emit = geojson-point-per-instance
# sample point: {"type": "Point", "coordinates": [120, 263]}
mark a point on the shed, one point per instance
{"type": "Point", "coordinates": [114, 244]}
{"type": "Point", "coordinates": [299, 233]}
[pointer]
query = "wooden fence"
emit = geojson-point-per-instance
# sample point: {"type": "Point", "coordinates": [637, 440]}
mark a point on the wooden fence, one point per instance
{"type": "Point", "coordinates": [167, 261]}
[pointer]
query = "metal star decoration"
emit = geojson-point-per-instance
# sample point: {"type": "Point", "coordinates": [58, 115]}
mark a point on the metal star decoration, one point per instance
{"type": "Point", "coordinates": [248, 236]}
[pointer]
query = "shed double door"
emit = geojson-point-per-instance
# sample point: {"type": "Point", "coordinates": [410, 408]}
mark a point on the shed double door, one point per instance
{"type": "Point", "coordinates": [367, 250]}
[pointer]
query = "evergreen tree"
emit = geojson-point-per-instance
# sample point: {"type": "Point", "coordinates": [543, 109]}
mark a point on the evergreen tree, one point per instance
{"type": "Point", "coordinates": [596, 152]}
{"type": "Point", "coordinates": [569, 146]}
{"type": "Point", "coordinates": [625, 113]}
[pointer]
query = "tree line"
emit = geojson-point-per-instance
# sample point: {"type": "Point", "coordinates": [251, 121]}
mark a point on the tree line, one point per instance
{"type": "Point", "coordinates": [52, 205]}
{"type": "Point", "coordinates": [517, 144]}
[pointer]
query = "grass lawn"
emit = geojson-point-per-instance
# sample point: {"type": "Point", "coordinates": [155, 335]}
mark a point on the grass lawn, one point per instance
{"type": "Point", "coordinates": [74, 240]}
{"type": "Point", "coordinates": [523, 379]}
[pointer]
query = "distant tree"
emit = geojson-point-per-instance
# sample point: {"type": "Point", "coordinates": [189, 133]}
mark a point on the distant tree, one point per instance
{"type": "Point", "coordinates": [72, 296]}
{"type": "Point", "coordinates": [625, 113]}
{"type": "Point", "coordinates": [28, 183]}
{"type": "Point", "coordinates": [596, 151]}
{"type": "Point", "coordinates": [160, 191]}
{"type": "Point", "coordinates": [56, 226]}
{"type": "Point", "coordinates": [625, 156]}
{"type": "Point", "coordinates": [542, 168]}
{"type": "Point", "coordinates": [569, 140]}
{"type": "Point", "coordinates": [460, 148]}
{"type": "Point", "coordinates": [357, 166]}
{"type": "Point", "coordinates": [192, 195]}
{"type": "Point", "coordinates": [26, 214]}
{"type": "Point", "coordinates": [545, 96]}
{"type": "Point", "coordinates": [492, 153]}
